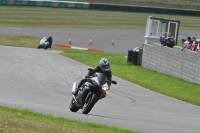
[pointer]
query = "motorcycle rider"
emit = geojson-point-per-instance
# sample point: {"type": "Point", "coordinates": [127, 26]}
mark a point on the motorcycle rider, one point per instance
{"type": "Point", "coordinates": [46, 42]}
{"type": "Point", "coordinates": [103, 67]}
{"type": "Point", "coordinates": [50, 40]}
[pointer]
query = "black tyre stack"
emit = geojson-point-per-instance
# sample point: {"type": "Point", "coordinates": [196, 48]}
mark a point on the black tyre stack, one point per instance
{"type": "Point", "coordinates": [135, 57]}
{"type": "Point", "coordinates": [130, 56]}
{"type": "Point", "coordinates": [139, 59]}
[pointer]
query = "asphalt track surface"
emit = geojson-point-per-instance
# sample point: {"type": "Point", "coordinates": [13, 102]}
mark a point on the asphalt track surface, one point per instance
{"type": "Point", "coordinates": [125, 39]}
{"type": "Point", "coordinates": [41, 81]}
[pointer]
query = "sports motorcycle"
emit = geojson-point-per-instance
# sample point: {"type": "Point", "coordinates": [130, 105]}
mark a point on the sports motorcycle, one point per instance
{"type": "Point", "coordinates": [90, 92]}
{"type": "Point", "coordinates": [45, 43]}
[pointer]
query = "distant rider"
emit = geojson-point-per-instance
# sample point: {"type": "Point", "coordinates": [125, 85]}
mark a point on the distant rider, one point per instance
{"type": "Point", "coordinates": [46, 42]}
{"type": "Point", "coordinates": [50, 40]}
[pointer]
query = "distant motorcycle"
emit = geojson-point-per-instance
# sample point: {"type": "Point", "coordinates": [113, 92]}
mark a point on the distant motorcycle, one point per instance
{"type": "Point", "coordinates": [90, 92]}
{"type": "Point", "coordinates": [45, 43]}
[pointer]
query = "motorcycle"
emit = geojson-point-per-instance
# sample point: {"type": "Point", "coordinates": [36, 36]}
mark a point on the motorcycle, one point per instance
{"type": "Point", "coordinates": [90, 92]}
{"type": "Point", "coordinates": [45, 43]}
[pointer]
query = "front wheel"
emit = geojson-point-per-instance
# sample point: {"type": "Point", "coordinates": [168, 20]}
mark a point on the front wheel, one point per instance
{"type": "Point", "coordinates": [89, 104]}
{"type": "Point", "coordinates": [72, 106]}
{"type": "Point", "coordinates": [46, 47]}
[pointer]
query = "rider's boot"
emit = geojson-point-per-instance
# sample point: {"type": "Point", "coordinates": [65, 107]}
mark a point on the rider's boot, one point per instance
{"type": "Point", "coordinates": [103, 95]}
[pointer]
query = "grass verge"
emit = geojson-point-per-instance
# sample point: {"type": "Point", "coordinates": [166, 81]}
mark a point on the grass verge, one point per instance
{"type": "Point", "coordinates": [162, 83]}
{"type": "Point", "coordinates": [20, 41]}
{"type": "Point", "coordinates": [24, 121]}
{"type": "Point", "coordinates": [26, 16]}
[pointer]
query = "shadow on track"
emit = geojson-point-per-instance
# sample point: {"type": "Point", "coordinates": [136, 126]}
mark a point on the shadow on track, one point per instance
{"type": "Point", "coordinates": [106, 117]}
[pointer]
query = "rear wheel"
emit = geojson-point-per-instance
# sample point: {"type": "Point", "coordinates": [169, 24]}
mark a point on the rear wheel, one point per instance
{"type": "Point", "coordinates": [90, 103]}
{"type": "Point", "coordinates": [40, 46]}
{"type": "Point", "coordinates": [72, 106]}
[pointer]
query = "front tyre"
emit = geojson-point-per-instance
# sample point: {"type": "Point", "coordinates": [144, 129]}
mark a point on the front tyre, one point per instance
{"type": "Point", "coordinates": [72, 106]}
{"type": "Point", "coordinates": [46, 47]}
{"type": "Point", "coordinates": [89, 104]}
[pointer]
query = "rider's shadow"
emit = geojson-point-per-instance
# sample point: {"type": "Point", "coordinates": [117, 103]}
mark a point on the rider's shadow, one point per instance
{"type": "Point", "coordinates": [102, 116]}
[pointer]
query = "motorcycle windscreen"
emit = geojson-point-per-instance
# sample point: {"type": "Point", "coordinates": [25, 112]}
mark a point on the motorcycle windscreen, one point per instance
{"type": "Point", "coordinates": [101, 78]}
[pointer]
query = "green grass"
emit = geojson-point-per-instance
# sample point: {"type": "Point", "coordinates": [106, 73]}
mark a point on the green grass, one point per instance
{"type": "Point", "coordinates": [23, 16]}
{"type": "Point", "coordinates": [24, 121]}
{"type": "Point", "coordinates": [165, 84]}
{"type": "Point", "coordinates": [184, 4]}
{"type": "Point", "coordinates": [20, 41]}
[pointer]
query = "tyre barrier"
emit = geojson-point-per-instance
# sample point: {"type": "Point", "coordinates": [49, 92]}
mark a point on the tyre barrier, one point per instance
{"type": "Point", "coordinates": [130, 54]}
{"type": "Point", "coordinates": [135, 57]}
{"type": "Point", "coordinates": [139, 59]}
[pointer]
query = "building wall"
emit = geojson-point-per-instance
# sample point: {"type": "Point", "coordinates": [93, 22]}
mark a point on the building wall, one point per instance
{"type": "Point", "coordinates": [172, 61]}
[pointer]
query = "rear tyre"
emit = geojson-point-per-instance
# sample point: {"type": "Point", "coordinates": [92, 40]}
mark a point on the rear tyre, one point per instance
{"type": "Point", "coordinates": [40, 46]}
{"type": "Point", "coordinates": [89, 104]}
{"type": "Point", "coordinates": [72, 106]}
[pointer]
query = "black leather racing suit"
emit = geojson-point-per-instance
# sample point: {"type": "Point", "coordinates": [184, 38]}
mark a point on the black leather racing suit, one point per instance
{"type": "Point", "coordinates": [50, 40]}
{"type": "Point", "coordinates": [97, 69]}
